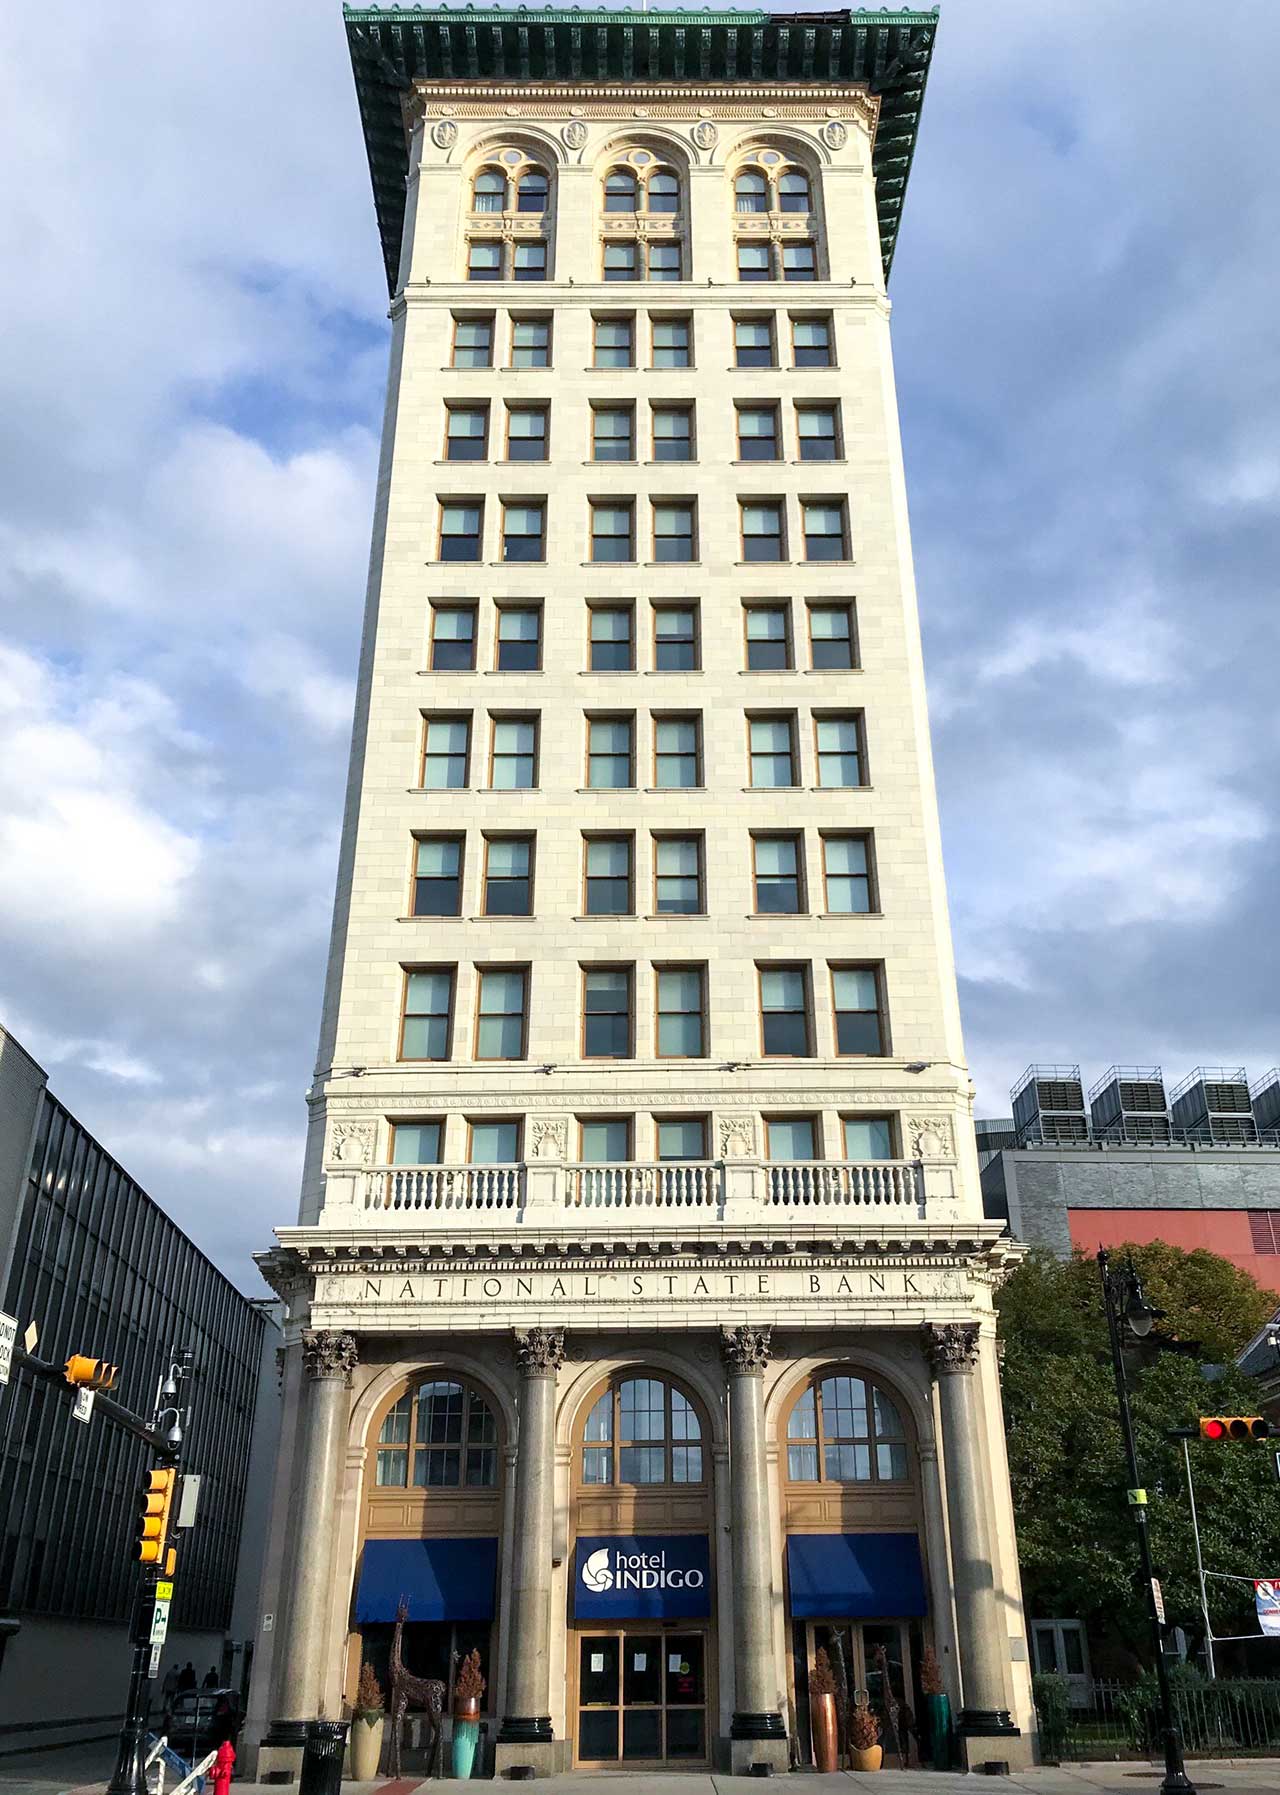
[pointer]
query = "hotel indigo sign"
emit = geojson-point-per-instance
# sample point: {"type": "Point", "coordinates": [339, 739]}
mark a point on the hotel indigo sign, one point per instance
{"type": "Point", "coordinates": [652, 1576]}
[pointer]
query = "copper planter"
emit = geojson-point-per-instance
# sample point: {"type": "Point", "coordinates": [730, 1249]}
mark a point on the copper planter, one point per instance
{"type": "Point", "coordinates": [822, 1724]}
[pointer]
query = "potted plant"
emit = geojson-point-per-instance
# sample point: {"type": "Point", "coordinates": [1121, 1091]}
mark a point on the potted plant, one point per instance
{"type": "Point", "coordinates": [865, 1750]}
{"type": "Point", "coordinates": [467, 1691]}
{"type": "Point", "coordinates": [822, 1713]}
{"type": "Point", "coordinates": [366, 1729]}
{"type": "Point", "coordinates": [937, 1711]}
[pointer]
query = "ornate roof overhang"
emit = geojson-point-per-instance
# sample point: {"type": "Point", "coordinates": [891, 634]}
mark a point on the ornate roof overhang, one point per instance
{"type": "Point", "coordinates": [886, 53]}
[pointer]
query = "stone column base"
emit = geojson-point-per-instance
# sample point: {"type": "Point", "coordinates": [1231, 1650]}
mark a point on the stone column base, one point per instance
{"type": "Point", "coordinates": [277, 1763]}
{"type": "Point", "coordinates": [546, 1757]}
{"type": "Point", "coordinates": [743, 1753]}
{"type": "Point", "coordinates": [977, 1750]}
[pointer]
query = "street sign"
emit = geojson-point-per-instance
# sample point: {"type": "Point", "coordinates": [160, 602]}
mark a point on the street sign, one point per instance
{"type": "Point", "coordinates": [159, 1623]}
{"type": "Point", "coordinates": [1137, 1498]}
{"type": "Point", "coordinates": [31, 1336]}
{"type": "Point", "coordinates": [164, 1592]}
{"type": "Point", "coordinates": [154, 1664]}
{"type": "Point", "coordinates": [1157, 1596]}
{"type": "Point", "coordinates": [188, 1499]}
{"type": "Point", "coordinates": [268, 1622]}
{"type": "Point", "coordinates": [8, 1334]}
{"type": "Point", "coordinates": [82, 1407]}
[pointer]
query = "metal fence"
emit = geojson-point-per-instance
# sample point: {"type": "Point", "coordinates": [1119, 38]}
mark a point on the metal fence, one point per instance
{"type": "Point", "coordinates": [1216, 1719]}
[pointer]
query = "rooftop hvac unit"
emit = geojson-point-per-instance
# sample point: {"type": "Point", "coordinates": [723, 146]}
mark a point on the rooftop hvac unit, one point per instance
{"type": "Point", "coordinates": [1212, 1105]}
{"type": "Point", "coordinates": [1128, 1105]}
{"type": "Point", "coordinates": [1265, 1096]}
{"type": "Point", "coordinates": [1048, 1107]}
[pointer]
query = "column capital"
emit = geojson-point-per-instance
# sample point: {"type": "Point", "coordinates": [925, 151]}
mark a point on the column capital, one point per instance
{"type": "Point", "coordinates": [326, 1355]}
{"type": "Point", "coordinates": [540, 1351]}
{"type": "Point", "coordinates": [951, 1347]}
{"type": "Point", "coordinates": [745, 1350]}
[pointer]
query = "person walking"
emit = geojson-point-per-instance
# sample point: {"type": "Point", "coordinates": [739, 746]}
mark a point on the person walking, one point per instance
{"type": "Point", "coordinates": [211, 1679]}
{"type": "Point", "coordinates": [187, 1677]}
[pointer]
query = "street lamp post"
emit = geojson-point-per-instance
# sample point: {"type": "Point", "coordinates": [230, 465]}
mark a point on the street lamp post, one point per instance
{"type": "Point", "coordinates": [1127, 1307]}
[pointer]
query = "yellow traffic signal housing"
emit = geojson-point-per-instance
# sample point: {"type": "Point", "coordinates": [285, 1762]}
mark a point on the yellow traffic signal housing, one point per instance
{"type": "Point", "coordinates": [91, 1374]}
{"type": "Point", "coordinates": [153, 1521]}
{"type": "Point", "coordinates": [1234, 1427]}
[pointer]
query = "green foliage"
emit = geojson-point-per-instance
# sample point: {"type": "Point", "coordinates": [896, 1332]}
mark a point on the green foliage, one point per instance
{"type": "Point", "coordinates": [1053, 1710]}
{"type": "Point", "coordinates": [1066, 1457]}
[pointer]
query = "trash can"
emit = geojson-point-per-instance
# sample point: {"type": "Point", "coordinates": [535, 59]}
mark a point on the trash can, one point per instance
{"type": "Point", "coordinates": [322, 1757]}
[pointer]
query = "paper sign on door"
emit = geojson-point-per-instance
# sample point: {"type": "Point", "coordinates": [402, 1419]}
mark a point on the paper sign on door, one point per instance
{"type": "Point", "coordinates": [640, 1661]}
{"type": "Point", "coordinates": [597, 1661]}
{"type": "Point", "coordinates": [674, 1663]}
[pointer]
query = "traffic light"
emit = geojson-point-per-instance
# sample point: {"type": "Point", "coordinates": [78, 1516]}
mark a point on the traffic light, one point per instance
{"type": "Point", "coordinates": [1235, 1427]}
{"type": "Point", "coordinates": [156, 1498]}
{"type": "Point", "coordinates": [91, 1374]}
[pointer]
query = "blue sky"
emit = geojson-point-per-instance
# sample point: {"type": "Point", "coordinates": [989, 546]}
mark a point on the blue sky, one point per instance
{"type": "Point", "coordinates": [192, 359]}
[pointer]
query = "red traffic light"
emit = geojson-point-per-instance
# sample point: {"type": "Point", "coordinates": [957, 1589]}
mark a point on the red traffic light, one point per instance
{"type": "Point", "coordinates": [1234, 1427]}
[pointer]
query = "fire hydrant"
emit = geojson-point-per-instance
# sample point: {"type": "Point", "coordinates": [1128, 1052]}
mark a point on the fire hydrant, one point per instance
{"type": "Point", "coordinates": [220, 1774]}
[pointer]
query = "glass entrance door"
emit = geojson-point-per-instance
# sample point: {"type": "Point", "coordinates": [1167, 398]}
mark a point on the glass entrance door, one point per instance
{"type": "Point", "coordinates": [642, 1698]}
{"type": "Point", "coordinates": [855, 1647]}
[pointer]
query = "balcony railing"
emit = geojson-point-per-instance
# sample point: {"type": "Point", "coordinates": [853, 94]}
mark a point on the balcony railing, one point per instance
{"type": "Point", "coordinates": [818, 1184]}
{"type": "Point", "coordinates": [683, 1185]}
{"type": "Point", "coordinates": [424, 1190]}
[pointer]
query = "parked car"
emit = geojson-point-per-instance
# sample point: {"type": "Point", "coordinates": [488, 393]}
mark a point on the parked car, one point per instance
{"type": "Point", "coordinates": [198, 1720]}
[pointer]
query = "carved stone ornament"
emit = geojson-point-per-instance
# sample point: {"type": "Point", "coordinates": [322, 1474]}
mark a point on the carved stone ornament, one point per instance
{"type": "Point", "coordinates": [930, 1137]}
{"type": "Point", "coordinates": [444, 134]}
{"type": "Point", "coordinates": [745, 1349]}
{"type": "Point", "coordinates": [280, 1358]}
{"type": "Point", "coordinates": [574, 134]}
{"type": "Point", "coordinates": [540, 1351]}
{"type": "Point", "coordinates": [835, 134]}
{"type": "Point", "coordinates": [705, 135]}
{"type": "Point", "coordinates": [950, 1347]}
{"type": "Point", "coordinates": [737, 1137]}
{"type": "Point", "coordinates": [351, 1143]}
{"type": "Point", "coordinates": [329, 1355]}
{"type": "Point", "coordinates": [550, 1138]}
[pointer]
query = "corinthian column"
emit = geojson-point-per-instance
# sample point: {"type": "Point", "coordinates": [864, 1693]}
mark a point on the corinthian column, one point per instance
{"type": "Point", "coordinates": [526, 1721]}
{"type": "Point", "coordinates": [755, 1709]}
{"type": "Point", "coordinates": [328, 1361]}
{"type": "Point", "coordinates": [952, 1351]}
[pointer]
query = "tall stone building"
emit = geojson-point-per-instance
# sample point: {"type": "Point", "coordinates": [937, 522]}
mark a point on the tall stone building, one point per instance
{"type": "Point", "coordinates": [640, 1299]}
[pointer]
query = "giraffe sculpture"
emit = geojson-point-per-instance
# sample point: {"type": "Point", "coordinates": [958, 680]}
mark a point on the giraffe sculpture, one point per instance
{"type": "Point", "coordinates": [427, 1693]}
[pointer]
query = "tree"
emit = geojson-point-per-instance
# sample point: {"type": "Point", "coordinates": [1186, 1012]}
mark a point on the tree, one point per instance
{"type": "Point", "coordinates": [1066, 1455]}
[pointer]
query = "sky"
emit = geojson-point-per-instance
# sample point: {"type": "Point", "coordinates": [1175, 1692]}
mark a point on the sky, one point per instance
{"type": "Point", "coordinates": [192, 355]}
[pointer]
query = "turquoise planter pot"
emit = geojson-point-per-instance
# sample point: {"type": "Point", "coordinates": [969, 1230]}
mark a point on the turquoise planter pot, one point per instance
{"type": "Point", "coordinates": [466, 1736]}
{"type": "Point", "coordinates": [937, 1710]}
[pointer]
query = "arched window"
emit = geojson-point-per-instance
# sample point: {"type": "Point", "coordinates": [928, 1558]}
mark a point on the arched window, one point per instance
{"type": "Point", "coordinates": [490, 191]}
{"type": "Point", "coordinates": [843, 1429]}
{"type": "Point", "coordinates": [441, 1434]}
{"type": "Point", "coordinates": [663, 191]}
{"type": "Point", "coordinates": [793, 192]}
{"type": "Point", "coordinates": [642, 1430]}
{"type": "Point", "coordinates": [620, 191]}
{"type": "Point", "coordinates": [531, 195]}
{"type": "Point", "coordinates": [751, 192]}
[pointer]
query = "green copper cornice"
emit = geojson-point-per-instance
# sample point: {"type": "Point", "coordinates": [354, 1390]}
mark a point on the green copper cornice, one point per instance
{"type": "Point", "coordinates": [391, 47]}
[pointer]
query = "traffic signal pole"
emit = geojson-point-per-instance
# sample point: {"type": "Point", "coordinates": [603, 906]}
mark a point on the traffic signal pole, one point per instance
{"type": "Point", "coordinates": [1195, 1533]}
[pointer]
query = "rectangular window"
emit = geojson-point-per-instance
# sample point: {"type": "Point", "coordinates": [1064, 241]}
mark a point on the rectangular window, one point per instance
{"type": "Point", "coordinates": [773, 751]}
{"type": "Point", "coordinates": [467, 433]}
{"type": "Point", "coordinates": [831, 641]}
{"type": "Point", "coordinates": [675, 639]}
{"type": "Point", "coordinates": [608, 875]}
{"type": "Point", "coordinates": [610, 753]}
{"type": "Point", "coordinates": [473, 342]}
{"type": "Point", "coordinates": [606, 1013]}
{"type": "Point", "coordinates": [613, 535]}
{"type": "Point", "coordinates": [494, 1143]}
{"type": "Point", "coordinates": [531, 342]}
{"type": "Point", "coordinates": [484, 260]}
{"type": "Point", "coordinates": [682, 1025]}
{"type": "Point", "coordinates": [839, 750]}
{"type": "Point", "coordinates": [673, 433]}
{"type": "Point", "coordinates": [855, 996]}
{"type": "Point", "coordinates": [674, 536]}
{"type": "Point", "coordinates": [515, 754]}
{"type": "Point", "coordinates": [682, 1137]}
{"type": "Point", "coordinates": [791, 1137]}
{"type": "Point", "coordinates": [675, 753]}
{"type": "Point", "coordinates": [847, 868]}
{"type": "Point", "coordinates": [524, 531]}
{"type": "Point", "coordinates": [818, 432]}
{"type": "Point", "coordinates": [501, 1013]}
{"type": "Point", "coordinates": [446, 745]}
{"type": "Point", "coordinates": [776, 863]}
{"type": "Point", "coordinates": [621, 261]}
{"type": "Point", "coordinates": [437, 875]}
{"type": "Point", "coordinates": [784, 1012]}
{"type": "Point", "coordinates": [604, 1143]}
{"type": "Point", "coordinates": [519, 639]}
{"type": "Point", "coordinates": [428, 1014]}
{"type": "Point", "coordinates": [867, 1137]}
{"type": "Point", "coordinates": [677, 875]}
{"type": "Point", "coordinates": [613, 433]}
{"type": "Point", "coordinates": [753, 262]}
{"type": "Point", "coordinates": [416, 1143]}
{"type": "Point", "coordinates": [614, 340]}
{"type": "Point", "coordinates": [526, 433]}
{"type": "Point", "coordinates": [753, 343]}
{"type": "Point", "coordinates": [799, 261]}
{"type": "Point", "coordinates": [612, 638]}
{"type": "Point", "coordinates": [826, 536]}
{"type": "Point", "coordinates": [664, 261]}
{"type": "Point", "coordinates": [811, 342]}
{"type": "Point", "coordinates": [531, 261]}
{"type": "Point", "coordinates": [671, 343]}
{"type": "Point", "coordinates": [460, 528]}
{"type": "Point", "coordinates": [768, 638]}
{"type": "Point", "coordinates": [758, 438]}
{"type": "Point", "coordinates": [762, 538]}
{"type": "Point", "coordinates": [508, 875]}
{"type": "Point", "coordinates": [453, 638]}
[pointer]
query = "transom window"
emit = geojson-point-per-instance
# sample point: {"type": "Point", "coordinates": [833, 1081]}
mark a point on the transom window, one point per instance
{"type": "Point", "coordinates": [641, 184]}
{"type": "Point", "coordinates": [517, 185]}
{"type": "Point", "coordinates": [440, 1435]}
{"type": "Point", "coordinates": [767, 183]}
{"type": "Point", "coordinates": [642, 1430]}
{"type": "Point", "coordinates": [844, 1429]}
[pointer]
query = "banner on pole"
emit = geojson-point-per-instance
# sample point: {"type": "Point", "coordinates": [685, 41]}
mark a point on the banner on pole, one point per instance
{"type": "Point", "coordinates": [1266, 1595]}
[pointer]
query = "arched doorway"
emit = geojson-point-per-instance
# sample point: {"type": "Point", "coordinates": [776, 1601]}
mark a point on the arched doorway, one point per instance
{"type": "Point", "coordinates": [641, 1657]}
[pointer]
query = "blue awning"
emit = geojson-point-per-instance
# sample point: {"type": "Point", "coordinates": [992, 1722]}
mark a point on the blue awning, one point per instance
{"type": "Point", "coordinates": [852, 1576]}
{"type": "Point", "coordinates": [439, 1579]}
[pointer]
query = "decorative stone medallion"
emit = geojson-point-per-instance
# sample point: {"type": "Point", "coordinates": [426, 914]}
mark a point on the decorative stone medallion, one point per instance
{"type": "Point", "coordinates": [351, 1143]}
{"type": "Point", "coordinates": [835, 134]}
{"type": "Point", "coordinates": [549, 1138]}
{"type": "Point", "coordinates": [574, 134]}
{"type": "Point", "coordinates": [737, 1137]}
{"type": "Point", "coordinates": [444, 134]}
{"type": "Point", "coordinates": [705, 135]}
{"type": "Point", "coordinates": [930, 1137]}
